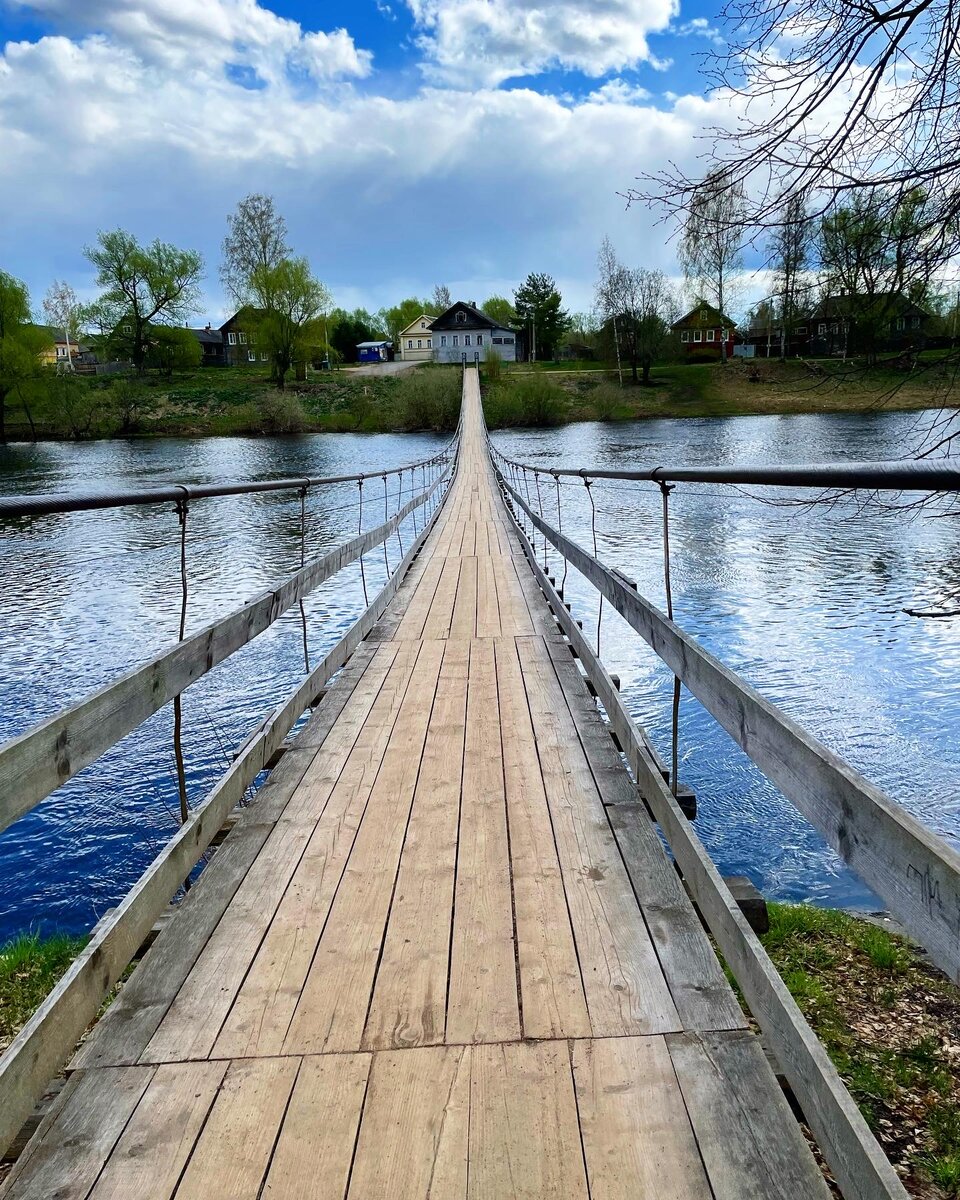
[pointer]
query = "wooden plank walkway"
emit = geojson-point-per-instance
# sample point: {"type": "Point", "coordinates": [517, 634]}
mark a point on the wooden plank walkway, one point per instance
{"type": "Point", "coordinates": [427, 962]}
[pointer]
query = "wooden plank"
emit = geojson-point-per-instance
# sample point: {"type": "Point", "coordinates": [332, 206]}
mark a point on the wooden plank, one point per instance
{"type": "Point", "coordinates": [414, 1133]}
{"type": "Point", "coordinates": [550, 983]}
{"type": "Point", "coordinates": [637, 1138]}
{"type": "Point", "coordinates": [192, 1022]}
{"type": "Point", "coordinates": [482, 1003]}
{"type": "Point", "coordinates": [749, 1141]}
{"type": "Point", "coordinates": [156, 1144]}
{"type": "Point", "coordinates": [233, 1153]}
{"type": "Point", "coordinates": [624, 984]}
{"type": "Point", "coordinates": [37, 762]}
{"type": "Point", "coordinates": [524, 1135]}
{"type": "Point", "coordinates": [418, 609]}
{"type": "Point", "coordinates": [439, 619]}
{"type": "Point", "coordinates": [332, 1009]}
{"type": "Point", "coordinates": [94, 1109]}
{"type": "Point", "coordinates": [488, 603]}
{"type": "Point", "coordinates": [260, 1017]}
{"type": "Point", "coordinates": [464, 621]}
{"type": "Point", "coordinates": [314, 1155]}
{"type": "Point", "coordinates": [916, 872]}
{"type": "Point", "coordinates": [409, 999]}
{"type": "Point", "coordinates": [850, 1149]}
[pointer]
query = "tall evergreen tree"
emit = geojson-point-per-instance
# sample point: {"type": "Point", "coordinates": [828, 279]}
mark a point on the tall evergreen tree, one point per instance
{"type": "Point", "coordinates": [539, 310]}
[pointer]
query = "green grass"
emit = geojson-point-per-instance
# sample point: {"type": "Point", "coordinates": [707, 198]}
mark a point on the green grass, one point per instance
{"type": "Point", "coordinates": [29, 968]}
{"type": "Point", "coordinates": [887, 1020]}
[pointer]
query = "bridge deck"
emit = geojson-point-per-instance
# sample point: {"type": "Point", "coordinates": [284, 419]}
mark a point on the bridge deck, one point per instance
{"type": "Point", "coordinates": [443, 955]}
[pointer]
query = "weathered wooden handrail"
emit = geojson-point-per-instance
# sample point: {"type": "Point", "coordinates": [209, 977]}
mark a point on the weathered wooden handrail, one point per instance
{"type": "Point", "coordinates": [916, 872]}
{"type": "Point", "coordinates": [45, 1042]}
{"type": "Point", "coordinates": [37, 762]}
{"type": "Point", "coordinates": [855, 1158]}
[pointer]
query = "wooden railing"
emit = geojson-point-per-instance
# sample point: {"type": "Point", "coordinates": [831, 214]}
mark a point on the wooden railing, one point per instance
{"type": "Point", "coordinates": [916, 872]}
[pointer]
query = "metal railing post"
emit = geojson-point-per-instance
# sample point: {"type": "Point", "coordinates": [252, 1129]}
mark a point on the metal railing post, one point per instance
{"type": "Point", "coordinates": [665, 490]}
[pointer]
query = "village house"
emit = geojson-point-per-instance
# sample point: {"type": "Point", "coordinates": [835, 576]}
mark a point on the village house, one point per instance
{"type": "Point", "coordinates": [704, 331]}
{"type": "Point", "coordinates": [844, 324]}
{"type": "Point", "coordinates": [416, 341]}
{"type": "Point", "coordinates": [240, 340]}
{"type": "Point", "coordinates": [212, 346]}
{"type": "Point", "coordinates": [464, 332]}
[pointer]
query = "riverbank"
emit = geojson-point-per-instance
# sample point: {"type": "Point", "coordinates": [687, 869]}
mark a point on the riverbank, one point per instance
{"type": "Point", "coordinates": [743, 387]}
{"type": "Point", "coordinates": [242, 401]}
{"type": "Point", "coordinates": [889, 1020]}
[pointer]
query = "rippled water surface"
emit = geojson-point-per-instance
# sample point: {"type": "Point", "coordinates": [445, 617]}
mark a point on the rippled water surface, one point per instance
{"type": "Point", "coordinates": [806, 603]}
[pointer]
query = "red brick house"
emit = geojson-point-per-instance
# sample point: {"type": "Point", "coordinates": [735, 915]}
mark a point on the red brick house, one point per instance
{"type": "Point", "coordinates": [704, 330]}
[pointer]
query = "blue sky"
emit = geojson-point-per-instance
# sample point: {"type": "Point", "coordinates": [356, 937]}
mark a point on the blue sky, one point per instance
{"type": "Point", "coordinates": [407, 142]}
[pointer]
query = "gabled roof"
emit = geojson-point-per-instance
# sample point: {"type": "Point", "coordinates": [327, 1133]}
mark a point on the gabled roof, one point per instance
{"type": "Point", "coordinates": [475, 318]}
{"type": "Point", "coordinates": [415, 325]}
{"type": "Point", "coordinates": [244, 313]}
{"type": "Point", "coordinates": [208, 337]}
{"type": "Point", "coordinates": [703, 315]}
{"type": "Point", "coordinates": [898, 304]}
{"type": "Point", "coordinates": [371, 345]}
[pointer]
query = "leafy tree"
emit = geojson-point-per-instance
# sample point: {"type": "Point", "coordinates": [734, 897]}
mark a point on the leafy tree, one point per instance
{"type": "Point", "coordinates": [289, 322]}
{"type": "Point", "coordinates": [61, 308]}
{"type": "Point", "coordinates": [173, 348]}
{"type": "Point", "coordinates": [21, 343]}
{"type": "Point", "coordinates": [145, 285]}
{"type": "Point", "coordinates": [711, 246]}
{"type": "Point", "coordinates": [441, 299]}
{"type": "Point", "coordinates": [609, 292]}
{"type": "Point", "coordinates": [348, 329]}
{"type": "Point", "coordinates": [256, 241]}
{"type": "Point", "coordinates": [871, 254]}
{"type": "Point", "coordinates": [644, 327]}
{"type": "Point", "coordinates": [397, 318]}
{"type": "Point", "coordinates": [499, 309]}
{"type": "Point", "coordinates": [790, 248]}
{"type": "Point", "coordinates": [538, 306]}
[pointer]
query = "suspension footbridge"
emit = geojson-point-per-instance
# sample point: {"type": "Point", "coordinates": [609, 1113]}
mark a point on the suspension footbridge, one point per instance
{"type": "Point", "coordinates": [445, 953]}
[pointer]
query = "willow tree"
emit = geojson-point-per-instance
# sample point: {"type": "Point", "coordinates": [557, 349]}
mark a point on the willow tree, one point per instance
{"type": "Point", "coordinates": [256, 242]}
{"type": "Point", "coordinates": [289, 322]}
{"type": "Point", "coordinates": [21, 343]}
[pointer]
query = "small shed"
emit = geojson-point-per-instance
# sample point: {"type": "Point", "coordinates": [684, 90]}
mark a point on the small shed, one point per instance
{"type": "Point", "coordinates": [374, 352]}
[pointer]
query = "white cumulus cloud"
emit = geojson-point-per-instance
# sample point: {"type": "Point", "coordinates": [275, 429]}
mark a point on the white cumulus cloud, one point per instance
{"type": "Point", "coordinates": [470, 42]}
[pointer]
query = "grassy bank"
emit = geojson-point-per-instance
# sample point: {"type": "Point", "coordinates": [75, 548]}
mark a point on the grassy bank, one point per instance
{"type": "Point", "coordinates": [891, 1024]}
{"type": "Point", "coordinates": [29, 967]}
{"type": "Point", "coordinates": [519, 397]}
{"type": "Point", "coordinates": [236, 401]}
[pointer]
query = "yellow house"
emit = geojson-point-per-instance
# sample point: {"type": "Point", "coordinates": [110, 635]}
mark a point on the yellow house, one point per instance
{"type": "Point", "coordinates": [55, 350]}
{"type": "Point", "coordinates": [416, 341]}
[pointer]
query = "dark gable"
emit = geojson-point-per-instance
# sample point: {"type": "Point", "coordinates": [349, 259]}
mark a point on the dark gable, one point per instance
{"type": "Point", "coordinates": [473, 319]}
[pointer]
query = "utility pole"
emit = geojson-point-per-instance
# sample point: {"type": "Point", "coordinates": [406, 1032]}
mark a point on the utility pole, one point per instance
{"type": "Point", "coordinates": [533, 352]}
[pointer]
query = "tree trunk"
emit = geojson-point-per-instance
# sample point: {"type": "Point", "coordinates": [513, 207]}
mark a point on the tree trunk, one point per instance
{"type": "Point", "coordinates": [3, 406]}
{"type": "Point", "coordinates": [633, 368]}
{"type": "Point", "coordinates": [29, 415]}
{"type": "Point", "coordinates": [646, 372]}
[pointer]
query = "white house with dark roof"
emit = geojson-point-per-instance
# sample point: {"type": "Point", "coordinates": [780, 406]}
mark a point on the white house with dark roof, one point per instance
{"type": "Point", "coordinates": [416, 341]}
{"type": "Point", "coordinates": [463, 331]}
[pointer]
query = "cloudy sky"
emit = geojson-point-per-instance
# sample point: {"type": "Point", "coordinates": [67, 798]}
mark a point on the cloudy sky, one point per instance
{"type": "Point", "coordinates": [407, 142]}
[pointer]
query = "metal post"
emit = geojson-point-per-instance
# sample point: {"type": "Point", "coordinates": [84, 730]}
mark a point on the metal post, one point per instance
{"type": "Point", "coordinates": [399, 506]}
{"type": "Point", "coordinates": [588, 484]}
{"type": "Point", "coordinates": [563, 582]}
{"type": "Point", "coordinates": [386, 517]}
{"type": "Point", "coordinates": [665, 490]}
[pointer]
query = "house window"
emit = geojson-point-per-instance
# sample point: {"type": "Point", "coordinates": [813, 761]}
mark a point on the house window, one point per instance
{"type": "Point", "coordinates": [685, 336]}
{"type": "Point", "coordinates": [456, 339]}
{"type": "Point", "coordinates": [698, 335]}
{"type": "Point", "coordinates": [479, 339]}
{"type": "Point", "coordinates": [251, 356]}
{"type": "Point", "coordinates": [443, 339]}
{"type": "Point", "coordinates": [821, 328]}
{"type": "Point", "coordinates": [899, 322]}
{"type": "Point", "coordinates": [61, 352]}
{"type": "Point", "coordinates": [508, 341]}
{"type": "Point", "coordinates": [128, 329]}
{"type": "Point", "coordinates": [409, 343]}
{"type": "Point", "coordinates": [243, 339]}
{"type": "Point", "coordinates": [264, 357]}
{"type": "Point", "coordinates": [423, 324]}
{"type": "Point", "coordinates": [703, 316]}
{"type": "Point", "coordinates": [801, 329]}
{"type": "Point", "coordinates": [466, 339]}
{"type": "Point", "coordinates": [232, 339]}
{"type": "Point", "coordinates": [461, 318]}
{"type": "Point", "coordinates": [429, 343]}
{"type": "Point", "coordinates": [710, 333]}
{"type": "Point", "coordinates": [498, 341]}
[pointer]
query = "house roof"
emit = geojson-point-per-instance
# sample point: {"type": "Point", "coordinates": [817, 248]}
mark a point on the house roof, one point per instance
{"type": "Point", "coordinates": [900, 305]}
{"type": "Point", "coordinates": [703, 314]}
{"type": "Point", "coordinates": [415, 325]}
{"type": "Point", "coordinates": [475, 318]}
{"type": "Point", "coordinates": [372, 345]}
{"type": "Point", "coordinates": [244, 313]}
{"type": "Point", "coordinates": [209, 337]}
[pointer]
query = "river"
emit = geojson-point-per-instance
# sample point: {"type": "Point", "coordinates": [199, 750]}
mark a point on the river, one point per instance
{"type": "Point", "coordinates": [806, 602]}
